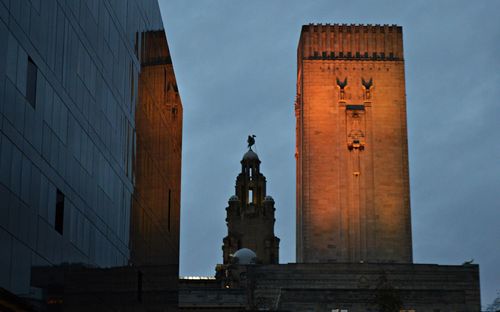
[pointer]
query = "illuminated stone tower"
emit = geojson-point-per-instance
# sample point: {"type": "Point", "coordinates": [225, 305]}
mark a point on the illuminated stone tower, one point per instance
{"type": "Point", "coordinates": [353, 200]}
{"type": "Point", "coordinates": [250, 215]}
{"type": "Point", "coordinates": [155, 213]}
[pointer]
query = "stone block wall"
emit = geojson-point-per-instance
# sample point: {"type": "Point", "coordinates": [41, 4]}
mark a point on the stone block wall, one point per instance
{"type": "Point", "coordinates": [352, 156]}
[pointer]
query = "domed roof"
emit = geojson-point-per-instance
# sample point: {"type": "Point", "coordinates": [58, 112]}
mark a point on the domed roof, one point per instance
{"type": "Point", "coordinates": [244, 256]}
{"type": "Point", "coordinates": [250, 155]}
{"type": "Point", "coordinates": [269, 198]}
{"type": "Point", "coordinates": [234, 198]}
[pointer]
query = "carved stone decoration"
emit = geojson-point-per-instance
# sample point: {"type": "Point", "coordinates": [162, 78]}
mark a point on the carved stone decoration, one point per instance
{"type": "Point", "coordinates": [342, 85]}
{"type": "Point", "coordinates": [367, 85]}
{"type": "Point", "coordinates": [355, 136]}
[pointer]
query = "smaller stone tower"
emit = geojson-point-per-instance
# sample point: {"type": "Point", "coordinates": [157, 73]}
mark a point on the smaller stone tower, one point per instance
{"type": "Point", "coordinates": [250, 215]}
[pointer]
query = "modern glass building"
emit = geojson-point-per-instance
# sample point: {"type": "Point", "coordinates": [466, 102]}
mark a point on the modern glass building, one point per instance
{"type": "Point", "coordinates": [71, 90]}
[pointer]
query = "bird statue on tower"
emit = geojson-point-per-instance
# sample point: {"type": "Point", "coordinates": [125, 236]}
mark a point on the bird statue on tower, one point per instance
{"type": "Point", "coordinates": [251, 140]}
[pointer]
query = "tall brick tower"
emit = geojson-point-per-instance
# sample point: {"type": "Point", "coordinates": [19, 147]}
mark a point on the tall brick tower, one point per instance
{"type": "Point", "coordinates": [250, 215]}
{"type": "Point", "coordinates": [353, 200]}
{"type": "Point", "coordinates": [155, 212]}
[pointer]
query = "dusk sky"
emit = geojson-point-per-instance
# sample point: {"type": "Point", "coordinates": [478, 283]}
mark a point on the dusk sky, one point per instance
{"type": "Point", "coordinates": [235, 63]}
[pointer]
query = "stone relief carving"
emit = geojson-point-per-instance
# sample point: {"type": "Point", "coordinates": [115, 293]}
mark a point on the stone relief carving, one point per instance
{"type": "Point", "coordinates": [367, 85]}
{"type": "Point", "coordinates": [342, 85]}
{"type": "Point", "coordinates": [355, 136]}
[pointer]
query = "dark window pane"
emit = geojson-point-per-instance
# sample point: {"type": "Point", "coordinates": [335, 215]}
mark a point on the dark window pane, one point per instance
{"type": "Point", "coordinates": [59, 212]}
{"type": "Point", "coordinates": [31, 82]}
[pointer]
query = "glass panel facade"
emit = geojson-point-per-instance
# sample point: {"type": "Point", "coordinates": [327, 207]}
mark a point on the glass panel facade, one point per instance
{"type": "Point", "coordinates": [31, 82]}
{"type": "Point", "coordinates": [69, 92]}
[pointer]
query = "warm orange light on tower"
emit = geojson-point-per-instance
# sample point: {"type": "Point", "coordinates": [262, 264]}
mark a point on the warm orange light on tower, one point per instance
{"type": "Point", "coordinates": [352, 159]}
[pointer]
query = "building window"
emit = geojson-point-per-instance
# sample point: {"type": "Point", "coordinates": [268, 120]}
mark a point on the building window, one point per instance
{"type": "Point", "coordinates": [59, 222]}
{"type": "Point", "coordinates": [31, 82]}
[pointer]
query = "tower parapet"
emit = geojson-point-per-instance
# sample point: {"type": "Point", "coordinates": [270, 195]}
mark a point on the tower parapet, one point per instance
{"type": "Point", "coordinates": [351, 41]}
